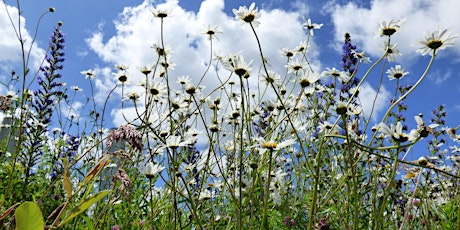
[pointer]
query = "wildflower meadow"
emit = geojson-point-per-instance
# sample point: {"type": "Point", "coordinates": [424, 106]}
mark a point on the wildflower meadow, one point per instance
{"type": "Point", "coordinates": [258, 149]}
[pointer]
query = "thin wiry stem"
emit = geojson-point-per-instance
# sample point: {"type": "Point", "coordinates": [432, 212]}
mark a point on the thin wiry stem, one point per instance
{"type": "Point", "coordinates": [411, 89]}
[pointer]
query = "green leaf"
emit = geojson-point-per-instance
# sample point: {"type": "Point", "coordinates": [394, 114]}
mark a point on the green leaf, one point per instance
{"type": "Point", "coordinates": [88, 221]}
{"type": "Point", "coordinates": [29, 217]}
{"type": "Point", "coordinates": [85, 204]}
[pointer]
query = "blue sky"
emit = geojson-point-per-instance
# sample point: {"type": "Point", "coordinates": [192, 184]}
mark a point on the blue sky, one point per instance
{"type": "Point", "coordinates": [107, 32]}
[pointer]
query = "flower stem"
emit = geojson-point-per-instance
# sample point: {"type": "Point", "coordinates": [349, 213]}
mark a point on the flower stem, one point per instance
{"type": "Point", "coordinates": [312, 213]}
{"type": "Point", "coordinates": [411, 89]}
{"type": "Point", "coordinates": [265, 224]}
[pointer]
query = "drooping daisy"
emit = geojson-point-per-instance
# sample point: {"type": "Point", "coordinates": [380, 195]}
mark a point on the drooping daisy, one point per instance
{"type": "Point", "coordinates": [388, 29]}
{"type": "Point", "coordinates": [89, 74]}
{"type": "Point", "coordinates": [453, 134]}
{"type": "Point", "coordinates": [341, 108]}
{"type": "Point", "coordinates": [76, 88]}
{"type": "Point", "coordinates": [121, 67]}
{"type": "Point", "coordinates": [151, 169]}
{"type": "Point", "coordinates": [146, 70]}
{"type": "Point", "coordinates": [354, 109]}
{"type": "Point", "coordinates": [363, 58]}
{"type": "Point", "coordinates": [174, 142]}
{"type": "Point", "coordinates": [269, 105]}
{"type": "Point", "coordinates": [286, 52]}
{"type": "Point", "coordinates": [436, 40]}
{"type": "Point", "coordinates": [248, 15]}
{"type": "Point", "coordinates": [238, 65]}
{"type": "Point", "coordinates": [295, 66]}
{"type": "Point", "coordinates": [396, 132]}
{"type": "Point", "coordinates": [308, 91]}
{"type": "Point", "coordinates": [184, 80]}
{"type": "Point", "coordinates": [168, 65]}
{"type": "Point", "coordinates": [396, 72]}
{"type": "Point", "coordinates": [391, 51]}
{"type": "Point", "coordinates": [303, 47]}
{"type": "Point", "coordinates": [327, 127]}
{"type": "Point", "coordinates": [212, 32]}
{"type": "Point", "coordinates": [308, 78]}
{"type": "Point", "coordinates": [341, 75]}
{"type": "Point", "coordinates": [311, 26]}
{"type": "Point", "coordinates": [180, 104]}
{"type": "Point", "coordinates": [159, 13]}
{"type": "Point", "coordinates": [278, 145]}
{"type": "Point", "coordinates": [205, 194]}
{"type": "Point", "coordinates": [12, 95]}
{"type": "Point", "coordinates": [157, 90]}
{"type": "Point", "coordinates": [272, 78]}
{"type": "Point", "coordinates": [162, 51]}
{"type": "Point", "coordinates": [133, 96]}
{"type": "Point", "coordinates": [122, 77]}
{"type": "Point", "coordinates": [190, 89]}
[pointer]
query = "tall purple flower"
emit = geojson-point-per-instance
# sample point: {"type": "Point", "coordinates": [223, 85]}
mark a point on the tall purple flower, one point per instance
{"type": "Point", "coordinates": [349, 62]}
{"type": "Point", "coordinates": [349, 59]}
{"type": "Point", "coordinates": [45, 98]}
{"type": "Point", "coordinates": [71, 147]}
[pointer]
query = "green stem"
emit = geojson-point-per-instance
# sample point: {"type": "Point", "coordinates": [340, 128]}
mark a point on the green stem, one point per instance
{"type": "Point", "coordinates": [382, 207]}
{"type": "Point", "coordinates": [352, 165]}
{"type": "Point", "coordinates": [288, 116]}
{"type": "Point", "coordinates": [411, 89]}
{"type": "Point", "coordinates": [265, 224]}
{"type": "Point", "coordinates": [151, 199]}
{"type": "Point", "coordinates": [240, 160]}
{"type": "Point", "coordinates": [312, 213]}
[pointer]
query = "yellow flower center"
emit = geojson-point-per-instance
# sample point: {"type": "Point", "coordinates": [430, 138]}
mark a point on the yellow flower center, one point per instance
{"type": "Point", "coordinates": [270, 144]}
{"type": "Point", "coordinates": [249, 18]}
{"type": "Point", "coordinates": [304, 83]}
{"type": "Point", "coordinates": [162, 15]}
{"type": "Point", "coordinates": [434, 44]}
{"type": "Point", "coordinates": [240, 71]}
{"type": "Point", "coordinates": [154, 91]}
{"type": "Point", "coordinates": [410, 175]}
{"type": "Point", "coordinates": [388, 31]}
{"type": "Point", "coordinates": [122, 78]}
{"type": "Point", "coordinates": [397, 75]}
{"type": "Point", "coordinates": [297, 67]}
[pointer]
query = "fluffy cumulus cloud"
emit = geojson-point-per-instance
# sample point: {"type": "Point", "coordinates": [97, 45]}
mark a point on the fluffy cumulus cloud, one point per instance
{"type": "Point", "coordinates": [137, 30]}
{"type": "Point", "coordinates": [372, 101]}
{"type": "Point", "coordinates": [10, 54]}
{"type": "Point", "coordinates": [422, 16]}
{"type": "Point", "coordinates": [438, 77]}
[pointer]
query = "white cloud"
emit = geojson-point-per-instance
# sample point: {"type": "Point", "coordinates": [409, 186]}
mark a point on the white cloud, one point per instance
{"type": "Point", "coordinates": [372, 105]}
{"type": "Point", "coordinates": [421, 16]}
{"type": "Point", "coordinates": [301, 7]}
{"type": "Point", "coordinates": [10, 55]}
{"type": "Point", "coordinates": [137, 30]}
{"type": "Point", "coordinates": [438, 77]}
{"type": "Point", "coordinates": [72, 111]}
{"type": "Point", "coordinates": [104, 84]}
